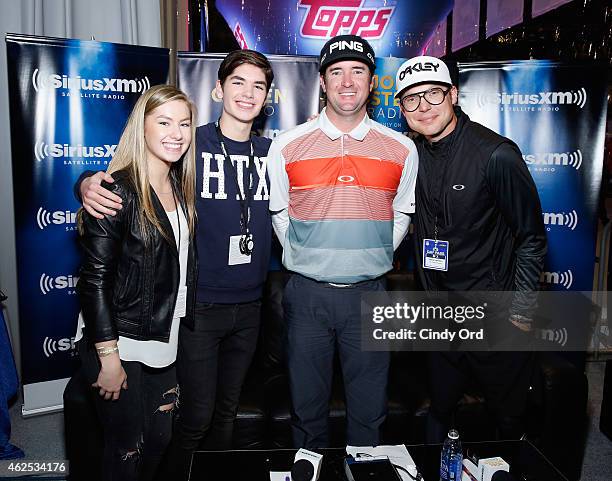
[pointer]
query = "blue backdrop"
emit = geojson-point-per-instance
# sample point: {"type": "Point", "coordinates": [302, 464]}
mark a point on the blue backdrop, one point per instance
{"type": "Point", "coordinates": [556, 113]}
{"type": "Point", "coordinates": [69, 100]}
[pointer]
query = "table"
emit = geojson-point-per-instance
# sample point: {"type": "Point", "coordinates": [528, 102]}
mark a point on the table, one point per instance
{"type": "Point", "coordinates": [527, 463]}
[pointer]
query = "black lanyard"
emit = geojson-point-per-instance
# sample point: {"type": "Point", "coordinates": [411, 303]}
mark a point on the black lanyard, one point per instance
{"type": "Point", "coordinates": [178, 223]}
{"type": "Point", "coordinates": [439, 163]}
{"type": "Point", "coordinates": [436, 191]}
{"type": "Point", "coordinates": [244, 193]}
{"type": "Point", "coordinates": [177, 205]}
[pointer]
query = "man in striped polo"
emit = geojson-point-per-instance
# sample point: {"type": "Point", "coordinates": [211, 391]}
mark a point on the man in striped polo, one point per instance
{"type": "Point", "coordinates": [341, 191]}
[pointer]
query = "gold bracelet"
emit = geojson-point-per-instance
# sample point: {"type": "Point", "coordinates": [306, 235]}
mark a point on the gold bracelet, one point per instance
{"type": "Point", "coordinates": [106, 351]}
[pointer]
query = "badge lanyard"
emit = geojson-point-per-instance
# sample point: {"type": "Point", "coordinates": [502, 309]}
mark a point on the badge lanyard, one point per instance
{"type": "Point", "coordinates": [244, 195]}
{"type": "Point", "coordinates": [436, 189]}
{"type": "Point", "coordinates": [181, 299]}
{"type": "Point", "coordinates": [437, 198]}
{"type": "Point", "coordinates": [178, 222]}
{"type": "Point", "coordinates": [435, 251]}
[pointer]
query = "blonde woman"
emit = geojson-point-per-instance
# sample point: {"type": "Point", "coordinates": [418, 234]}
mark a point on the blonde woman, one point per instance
{"type": "Point", "coordinates": [137, 281]}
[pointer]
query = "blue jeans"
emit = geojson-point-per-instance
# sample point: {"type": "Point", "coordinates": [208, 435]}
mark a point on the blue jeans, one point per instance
{"type": "Point", "coordinates": [321, 318]}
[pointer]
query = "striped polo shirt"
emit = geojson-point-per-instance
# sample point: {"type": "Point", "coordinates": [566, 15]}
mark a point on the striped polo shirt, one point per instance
{"type": "Point", "coordinates": [341, 191]}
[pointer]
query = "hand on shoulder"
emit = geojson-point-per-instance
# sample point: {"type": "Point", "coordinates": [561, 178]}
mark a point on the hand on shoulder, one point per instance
{"type": "Point", "coordinates": [97, 200]}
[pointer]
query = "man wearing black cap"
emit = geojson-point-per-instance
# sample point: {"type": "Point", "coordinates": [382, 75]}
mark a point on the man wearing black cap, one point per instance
{"type": "Point", "coordinates": [341, 190]}
{"type": "Point", "coordinates": [478, 205]}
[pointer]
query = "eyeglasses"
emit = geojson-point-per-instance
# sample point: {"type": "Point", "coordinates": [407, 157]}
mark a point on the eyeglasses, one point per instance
{"type": "Point", "coordinates": [434, 96]}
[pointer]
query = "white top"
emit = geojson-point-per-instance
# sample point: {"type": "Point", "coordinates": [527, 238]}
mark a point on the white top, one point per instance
{"type": "Point", "coordinates": [156, 353]}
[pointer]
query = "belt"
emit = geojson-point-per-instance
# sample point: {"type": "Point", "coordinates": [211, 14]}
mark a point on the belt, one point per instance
{"type": "Point", "coordinates": [354, 284]}
{"type": "Point", "coordinates": [341, 285]}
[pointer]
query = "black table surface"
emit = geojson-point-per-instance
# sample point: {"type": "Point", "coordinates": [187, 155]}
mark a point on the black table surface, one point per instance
{"type": "Point", "coordinates": [527, 463]}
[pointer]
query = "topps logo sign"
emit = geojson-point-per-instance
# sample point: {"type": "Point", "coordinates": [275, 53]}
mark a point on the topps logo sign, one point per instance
{"type": "Point", "coordinates": [328, 18]}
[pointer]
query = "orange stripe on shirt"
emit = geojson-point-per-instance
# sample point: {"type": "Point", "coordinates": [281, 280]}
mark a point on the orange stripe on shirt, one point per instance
{"type": "Point", "coordinates": [329, 203]}
{"type": "Point", "coordinates": [349, 170]}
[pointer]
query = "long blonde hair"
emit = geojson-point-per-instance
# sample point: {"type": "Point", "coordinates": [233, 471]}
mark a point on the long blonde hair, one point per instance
{"type": "Point", "coordinates": [131, 155]}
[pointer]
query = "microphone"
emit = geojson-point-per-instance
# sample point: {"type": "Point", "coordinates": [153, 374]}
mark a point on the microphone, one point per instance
{"type": "Point", "coordinates": [306, 465]}
{"type": "Point", "coordinates": [503, 476]}
{"type": "Point", "coordinates": [489, 467]}
{"type": "Point", "coordinates": [302, 470]}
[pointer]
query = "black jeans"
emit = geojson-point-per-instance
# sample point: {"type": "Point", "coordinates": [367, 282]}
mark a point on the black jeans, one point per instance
{"type": "Point", "coordinates": [212, 363]}
{"type": "Point", "coordinates": [504, 378]}
{"type": "Point", "coordinates": [138, 426]}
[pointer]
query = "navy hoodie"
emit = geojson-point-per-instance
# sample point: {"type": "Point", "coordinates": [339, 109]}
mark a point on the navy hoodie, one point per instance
{"type": "Point", "coordinates": [218, 210]}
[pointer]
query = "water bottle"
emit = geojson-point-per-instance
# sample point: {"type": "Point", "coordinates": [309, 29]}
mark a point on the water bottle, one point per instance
{"type": "Point", "coordinates": [451, 460]}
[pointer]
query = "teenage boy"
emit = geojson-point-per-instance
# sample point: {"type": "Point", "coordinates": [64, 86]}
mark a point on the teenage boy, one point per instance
{"type": "Point", "coordinates": [342, 187]}
{"type": "Point", "coordinates": [233, 238]}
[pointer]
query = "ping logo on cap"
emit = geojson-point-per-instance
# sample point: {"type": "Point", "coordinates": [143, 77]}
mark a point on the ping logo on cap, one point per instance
{"type": "Point", "coordinates": [346, 45]}
{"type": "Point", "coordinates": [419, 67]}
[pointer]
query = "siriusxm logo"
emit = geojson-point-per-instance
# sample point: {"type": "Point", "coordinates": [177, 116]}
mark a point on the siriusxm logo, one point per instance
{"type": "Point", "coordinates": [572, 97]}
{"type": "Point", "coordinates": [45, 218]}
{"type": "Point", "coordinates": [564, 279]}
{"type": "Point", "coordinates": [572, 159]}
{"type": "Point", "coordinates": [51, 346]}
{"type": "Point", "coordinates": [47, 283]}
{"type": "Point", "coordinates": [57, 81]}
{"type": "Point", "coordinates": [43, 151]}
{"type": "Point", "coordinates": [558, 336]}
{"type": "Point", "coordinates": [561, 218]}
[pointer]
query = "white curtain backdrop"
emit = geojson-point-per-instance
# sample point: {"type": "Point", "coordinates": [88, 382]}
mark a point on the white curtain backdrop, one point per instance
{"type": "Point", "coordinates": [121, 21]}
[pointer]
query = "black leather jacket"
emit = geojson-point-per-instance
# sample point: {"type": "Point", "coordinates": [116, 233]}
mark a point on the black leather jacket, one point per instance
{"type": "Point", "coordinates": [125, 287]}
{"type": "Point", "coordinates": [477, 186]}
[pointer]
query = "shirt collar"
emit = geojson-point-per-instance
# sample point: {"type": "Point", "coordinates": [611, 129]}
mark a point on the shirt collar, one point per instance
{"type": "Point", "coordinates": [329, 129]}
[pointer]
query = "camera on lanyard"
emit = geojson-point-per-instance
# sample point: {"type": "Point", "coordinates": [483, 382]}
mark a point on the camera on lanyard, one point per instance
{"type": "Point", "coordinates": [246, 244]}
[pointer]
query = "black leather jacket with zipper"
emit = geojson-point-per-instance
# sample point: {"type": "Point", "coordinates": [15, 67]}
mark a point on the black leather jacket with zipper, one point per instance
{"type": "Point", "coordinates": [127, 286]}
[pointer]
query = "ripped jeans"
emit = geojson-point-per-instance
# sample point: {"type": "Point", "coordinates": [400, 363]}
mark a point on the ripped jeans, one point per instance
{"type": "Point", "coordinates": [138, 426]}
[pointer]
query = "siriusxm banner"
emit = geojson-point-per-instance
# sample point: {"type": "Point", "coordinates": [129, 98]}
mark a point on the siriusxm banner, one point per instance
{"type": "Point", "coordinates": [69, 100]}
{"type": "Point", "coordinates": [399, 28]}
{"type": "Point", "coordinates": [293, 97]}
{"type": "Point", "coordinates": [556, 113]}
